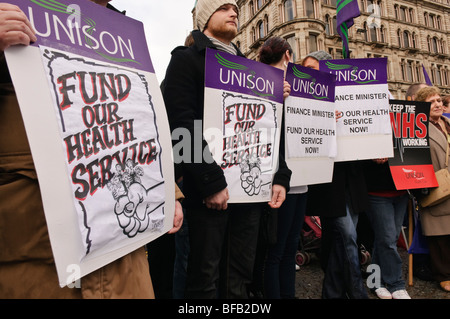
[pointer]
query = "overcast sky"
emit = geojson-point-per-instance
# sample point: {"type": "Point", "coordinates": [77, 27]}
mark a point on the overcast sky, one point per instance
{"type": "Point", "coordinates": [167, 24]}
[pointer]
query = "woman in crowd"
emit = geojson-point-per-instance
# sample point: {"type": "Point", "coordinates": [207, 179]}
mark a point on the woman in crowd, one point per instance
{"type": "Point", "coordinates": [386, 212]}
{"type": "Point", "coordinates": [436, 219]}
{"type": "Point", "coordinates": [279, 270]}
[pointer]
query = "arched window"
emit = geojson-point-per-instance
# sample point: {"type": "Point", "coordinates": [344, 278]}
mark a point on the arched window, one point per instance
{"type": "Point", "coordinates": [266, 24]}
{"type": "Point", "coordinates": [288, 10]}
{"type": "Point", "coordinates": [251, 7]}
{"type": "Point", "coordinates": [261, 31]}
{"type": "Point", "coordinates": [366, 34]}
{"type": "Point", "coordinates": [438, 77]}
{"type": "Point", "coordinates": [439, 22]}
{"type": "Point", "coordinates": [373, 33]}
{"type": "Point", "coordinates": [334, 25]}
{"type": "Point", "coordinates": [414, 40]}
{"type": "Point", "coordinates": [406, 39]}
{"type": "Point", "coordinates": [411, 15]}
{"type": "Point", "coordinates": [442, 42]}
{"type": "Point", "coordinates": [383, 34]}
{"type": "Point", "coordinates": [399, 37]}
{"type": "Point", "coordinates": [434, 43]}
{"type": "Point", "coordinates": [328, 25]}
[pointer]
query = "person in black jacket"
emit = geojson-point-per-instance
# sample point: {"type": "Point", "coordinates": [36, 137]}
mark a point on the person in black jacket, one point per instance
{"type": "Point", "coordinates": [216, 228]}
{"type": "Point", "coordinates": [339, 204]}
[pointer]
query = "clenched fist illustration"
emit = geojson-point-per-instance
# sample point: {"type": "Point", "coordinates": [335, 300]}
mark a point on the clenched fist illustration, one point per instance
{"type": "Point", "coordinates": [133, 210]}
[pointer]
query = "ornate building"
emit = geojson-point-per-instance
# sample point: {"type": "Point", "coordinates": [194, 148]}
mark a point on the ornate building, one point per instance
{"type": "Point", "coordinates": [408, 32]}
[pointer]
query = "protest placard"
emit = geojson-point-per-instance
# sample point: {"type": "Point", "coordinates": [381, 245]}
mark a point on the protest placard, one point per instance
{"type": "Point", "coordinates": [362, 98]}
{"type": "Point", "coordinates": [98, 132]}
{"type": "Point", "coordinates": [411, 166]}
{"type": "Point", "coordinates": [242, 122]}
{"type": "Point", "coordinates": [310, 125]}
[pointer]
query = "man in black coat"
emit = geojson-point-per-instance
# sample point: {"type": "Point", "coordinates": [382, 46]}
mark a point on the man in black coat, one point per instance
{"type": "Point", "coordinates": [222, 236]}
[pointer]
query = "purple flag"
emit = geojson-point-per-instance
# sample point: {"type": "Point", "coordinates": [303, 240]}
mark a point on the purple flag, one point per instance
{"type": "Point", "coordinates": [427, 78]}
{"type": "Point", "coordinates": [346, 11]}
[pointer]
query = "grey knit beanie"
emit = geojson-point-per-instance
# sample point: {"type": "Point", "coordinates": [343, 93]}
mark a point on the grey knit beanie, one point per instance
{"type": "Point", "coordinates": [204, 9]}
{"type": "Point", "coordinates": [320, 55]}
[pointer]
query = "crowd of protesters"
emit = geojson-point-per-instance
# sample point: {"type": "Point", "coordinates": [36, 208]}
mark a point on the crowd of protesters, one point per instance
{"type": "Point", "coordinates": [218, 251]}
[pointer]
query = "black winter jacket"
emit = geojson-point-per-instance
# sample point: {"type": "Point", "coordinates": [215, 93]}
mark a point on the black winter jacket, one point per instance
{"type": "Point", "coordinates": [347, 187]}
{"type": "Point", "coordinates": [183, 92]}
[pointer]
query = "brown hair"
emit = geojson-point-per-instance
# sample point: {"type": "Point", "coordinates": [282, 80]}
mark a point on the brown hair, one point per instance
{"type": "Point", "coordinates": [426, 92]}
{"type": "Point", "coordinates": [273, 50]}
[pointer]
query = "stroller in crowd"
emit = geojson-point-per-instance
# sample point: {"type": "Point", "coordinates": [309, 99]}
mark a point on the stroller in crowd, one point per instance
{"type": "Point", "coordinates": [310, 243]}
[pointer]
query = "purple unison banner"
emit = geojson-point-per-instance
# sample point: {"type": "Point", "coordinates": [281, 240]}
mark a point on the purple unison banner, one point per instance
{"type": "Point", "coordinates": [310, 125]}
{"type": "Point", "coordinates": [310, 84]}
{"type": "Point", "coordinates": [356, 71]}
{"type": "Point", "coordinates": [233, 73]}
{"type": "Point", "coordinates": [84, 28]}
{"type": "Point", "coordinates": [362, 101]}
{"type": "Point", "coordinates": [242, 122]}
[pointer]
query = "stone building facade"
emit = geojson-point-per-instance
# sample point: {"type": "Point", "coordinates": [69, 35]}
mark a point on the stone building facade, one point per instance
{"type": "Point", "coordinates": [410, 33]}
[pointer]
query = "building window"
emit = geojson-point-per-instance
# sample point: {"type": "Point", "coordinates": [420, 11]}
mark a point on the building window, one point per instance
{"type": "Point", "coordinates": [334, 25]}
{"type": "Point", "coordinates": [293, 44]}
{"type": "Point", "coordinates": [309, 7]}
{"type": "Point", "coordinates": [251, 7]}
{"type": "Point", "coordinates": [435, 46]}
{"type": "Point", "coordinates": [366, 33]}
{"type": "Point", "coordinates": [411, 15]}
{"type": "Point", "coordinates": [327, 25]}
{"type": "Point", "coordinates": [260, 4]}
{"type": "Point", "coordinates": [403, 13]}
{"type": "Point", "coordinates": [432, 21]}
{"type": "Point", "coordinates": [418, 70]}
{"type": "Point", "coordinates": [261, 30]}
{"type": "Point", "coordinates": [266, 24]}
{"type": "Point", "coordinates": [409, 71]}
{"type": "Point", "coordinates": [383, 34]}
{"type": "Point", "coordinates": [443, 46]}
{"type": "Point", "coordinates": [403, 69]}
{"type": "Point", "coordinates": [312, 42]}
{"type": "Point", "coordinates": [445, 76]}
{"type": "Point", "coordinates": [288, 10]}
{"type": "Point", "coordinates": [438, 75]}
{"type": "Point", "coordinates": [439, 22]}
{"type": "Point", "coordinates": [406, 39]}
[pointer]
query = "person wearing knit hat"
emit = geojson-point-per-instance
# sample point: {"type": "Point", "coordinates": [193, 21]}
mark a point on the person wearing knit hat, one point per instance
{"type": "Point", "coordinates": [222, 237]}
{"type": "Point", "coordinates": [312, 59]}
{"type": "Point", "coordinates": [204, 9]}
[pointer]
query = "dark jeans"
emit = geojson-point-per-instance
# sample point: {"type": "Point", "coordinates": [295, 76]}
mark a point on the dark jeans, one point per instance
{"type": "Point", "coordinates": [222, 251]}
{"type": "Point", "coordinates": [342, 278]}
{"type": "Point", "coordinates": [181, 259]}
{"type": "Point", "coordinates": [279, 272]}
